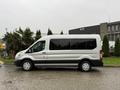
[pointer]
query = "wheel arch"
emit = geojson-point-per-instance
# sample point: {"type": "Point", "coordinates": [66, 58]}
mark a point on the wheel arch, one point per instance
{"type": "Point", "coordinates": [81, 62]}
{"type": "Point", "coordinates": [25, 60]}
{"type": "Point", "coordinates": [84, 59]}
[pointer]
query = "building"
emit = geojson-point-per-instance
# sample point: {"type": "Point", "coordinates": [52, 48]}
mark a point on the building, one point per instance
{"type": "Point", "coordinates": [86, 30]}
{"type": "Point", "coordinates": [2, 44]}
{"type": "Point", "coordinates": [112, 30]}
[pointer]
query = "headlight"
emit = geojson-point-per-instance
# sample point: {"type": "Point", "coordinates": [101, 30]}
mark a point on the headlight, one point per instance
{"type": "Point", "coordinates": [18, 55]}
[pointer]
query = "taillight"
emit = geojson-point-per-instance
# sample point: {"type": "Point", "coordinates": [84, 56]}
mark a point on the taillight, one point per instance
{"type": "Point", "coordinates": [101, 55]}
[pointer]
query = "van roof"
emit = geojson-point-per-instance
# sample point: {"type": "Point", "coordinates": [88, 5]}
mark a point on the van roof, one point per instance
{"type": "Point", "coordinates": [72, 36]}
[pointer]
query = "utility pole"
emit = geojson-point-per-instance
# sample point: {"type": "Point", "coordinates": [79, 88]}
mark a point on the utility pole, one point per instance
{"type": "Point", "coordinates": [6, 30]}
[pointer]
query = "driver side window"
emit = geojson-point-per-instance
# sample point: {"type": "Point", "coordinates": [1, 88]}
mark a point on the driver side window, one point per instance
{"type": "Point", "coordinates": [39, 46]}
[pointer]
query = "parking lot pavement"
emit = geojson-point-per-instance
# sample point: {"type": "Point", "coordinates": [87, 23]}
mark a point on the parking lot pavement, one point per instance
{"type": "Point", "coordinates": [12, 78]}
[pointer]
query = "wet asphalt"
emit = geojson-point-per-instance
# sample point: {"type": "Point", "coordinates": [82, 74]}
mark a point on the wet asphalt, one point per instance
{"type": "Point", "coordinates": [105, 78]}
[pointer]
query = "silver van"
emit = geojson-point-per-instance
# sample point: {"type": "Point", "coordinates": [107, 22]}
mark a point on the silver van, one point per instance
{"type": "Point", "coordinates": [82, 51]}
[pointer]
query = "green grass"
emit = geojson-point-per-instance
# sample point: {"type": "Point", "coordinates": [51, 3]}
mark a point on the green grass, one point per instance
{"type": "Point", "coordinates": [7, 60]}
{"type": "Point", "coordinates": [111, 61]}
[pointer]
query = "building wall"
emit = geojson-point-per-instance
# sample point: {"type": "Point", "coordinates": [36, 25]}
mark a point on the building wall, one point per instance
{"type": "Point", "coordinates": [86, 30]}
{"type": "Point", "coordinates": [2, 46]}
{"type": "Point", "coordinates": [112, 30]}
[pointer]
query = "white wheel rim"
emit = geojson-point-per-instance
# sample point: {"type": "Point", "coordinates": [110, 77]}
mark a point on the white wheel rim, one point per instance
{"type": "Point", "coordinates": [85, 66]}
{"type": "Point", "coordinates": [26, 66]}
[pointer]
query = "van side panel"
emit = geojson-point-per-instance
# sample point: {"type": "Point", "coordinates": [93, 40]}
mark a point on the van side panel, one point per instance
{"type": "Point", "coordinates": [75, 54]}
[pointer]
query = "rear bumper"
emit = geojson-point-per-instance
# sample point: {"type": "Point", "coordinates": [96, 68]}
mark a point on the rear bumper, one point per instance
{"type": "Point", "coordinates": [96, 63]}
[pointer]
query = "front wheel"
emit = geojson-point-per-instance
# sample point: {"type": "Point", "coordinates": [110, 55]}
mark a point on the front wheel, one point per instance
{"type": "Point", "coordinates": [27, 65]}
{"type": "Point", "coordinates": [85, 66]}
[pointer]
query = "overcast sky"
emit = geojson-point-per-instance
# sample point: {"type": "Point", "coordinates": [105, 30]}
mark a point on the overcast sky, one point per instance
{"type": "Point", "coordinates": [56, 14]}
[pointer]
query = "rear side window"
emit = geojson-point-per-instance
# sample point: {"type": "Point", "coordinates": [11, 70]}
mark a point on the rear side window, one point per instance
{"type": "Point", "coordinates": [83, 44]}
{"type": "Point", "coordinates": [59, 44]}
{"type": "Point", "coordinates": [72, 44]}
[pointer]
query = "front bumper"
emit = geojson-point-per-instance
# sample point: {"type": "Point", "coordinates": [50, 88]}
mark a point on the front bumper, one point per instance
{"type": "Point", "coordinates": [18, 63]}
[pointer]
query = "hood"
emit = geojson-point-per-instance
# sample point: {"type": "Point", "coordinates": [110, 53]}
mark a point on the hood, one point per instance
{"type": "Point", "coordinates": [19, 54]}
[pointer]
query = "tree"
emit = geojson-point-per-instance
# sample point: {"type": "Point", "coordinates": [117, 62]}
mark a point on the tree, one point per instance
{"type": "Point", "coordinates": [18, 40]}
{"type": "Point", "coordinates": [21, 34]}
{"type": "Point", "coordinates": [105, 46]}
{"type": "Point", "coordinates": [27, 38]}
{"type": "Point", "coordinates": [17, 43]}
{"type": "Point", "coordinates": [38, 35]}
{"type": "Point", "coordinates": [117, 47]}
{"type": "Point", "coordinates": [49, 32]}
{"type": "Point", "coordinates": [8, 38]}
{"type": "Point", "coordinates": [61, 32]}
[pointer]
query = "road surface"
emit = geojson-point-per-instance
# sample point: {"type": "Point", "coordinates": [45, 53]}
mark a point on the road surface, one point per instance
{"type": "Point", "coordinates": [12, 78]}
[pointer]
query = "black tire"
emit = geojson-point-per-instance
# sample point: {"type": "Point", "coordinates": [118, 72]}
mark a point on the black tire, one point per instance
{"type": "Point", "coordinates": [85, 66]}
{"type": "Point", "coordinates": [27, 65]}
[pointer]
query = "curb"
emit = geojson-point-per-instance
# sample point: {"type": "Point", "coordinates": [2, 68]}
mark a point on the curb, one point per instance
{"type": "Point", "coordinates": [111, 66]}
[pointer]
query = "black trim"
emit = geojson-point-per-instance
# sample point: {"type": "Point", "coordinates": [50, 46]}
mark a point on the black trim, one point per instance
{"type": "Point", "coordinates": [18, 63]}
{"type": "Point", "coordinates": [55, 61]}
{"type": "Point", "coordinates": [94, 63]}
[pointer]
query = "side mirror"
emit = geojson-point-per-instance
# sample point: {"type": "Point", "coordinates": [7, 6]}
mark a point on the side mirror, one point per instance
{"type": "Point", "coordinates": [29, 51]}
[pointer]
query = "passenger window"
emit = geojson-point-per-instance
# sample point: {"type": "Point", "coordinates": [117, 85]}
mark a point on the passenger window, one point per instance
{"type": "Point", "coordinates": [72, 44]}
{"type": "Point", "coordinates": [39, 46]}
{"type": "Point", "coordinates": [59, 44]}
{"type": "Point", "coordinates": [77, 44]}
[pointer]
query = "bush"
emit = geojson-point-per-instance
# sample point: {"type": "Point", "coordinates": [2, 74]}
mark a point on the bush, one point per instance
{"type": "Point", "coordinates": [117, 47]}
{"type": "Point", "coordinates": [105, 47]}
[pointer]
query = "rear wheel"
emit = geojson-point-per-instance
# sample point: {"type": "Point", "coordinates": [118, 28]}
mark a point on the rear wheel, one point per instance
{"type": "Point", "coordinates": [27, 65]}
{"type": "Point", "coordinates": [85, 66]}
